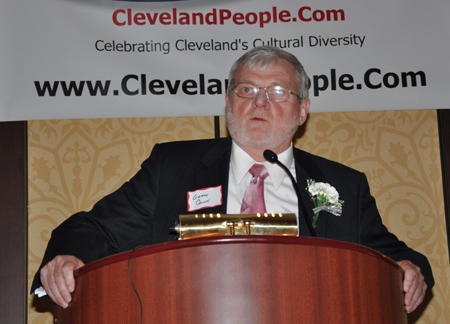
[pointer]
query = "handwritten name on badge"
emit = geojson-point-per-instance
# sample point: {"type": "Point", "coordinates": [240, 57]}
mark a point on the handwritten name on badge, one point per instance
{"type": "Point", "coordinates": [204, 198]}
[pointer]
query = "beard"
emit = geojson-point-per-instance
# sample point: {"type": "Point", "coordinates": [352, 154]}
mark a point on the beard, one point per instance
{"type": "Point", "coordinates": [273, 138]}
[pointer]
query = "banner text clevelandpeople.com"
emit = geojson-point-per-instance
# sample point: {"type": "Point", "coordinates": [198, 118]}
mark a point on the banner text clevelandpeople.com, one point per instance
{"type": "Point", "coordinates": [133, 84]}
{"type": "Point", "coordinates": [128, 17]}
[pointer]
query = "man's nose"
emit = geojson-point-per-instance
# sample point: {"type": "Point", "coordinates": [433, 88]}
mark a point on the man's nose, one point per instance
{"type": "Point", "coordinates": [261, 99]}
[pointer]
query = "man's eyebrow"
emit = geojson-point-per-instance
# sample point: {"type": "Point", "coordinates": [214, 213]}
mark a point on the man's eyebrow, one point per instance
{"type": "Point", "coordinates": [246, 81]}
{"type": "Point", "coordinates": [274, 83]}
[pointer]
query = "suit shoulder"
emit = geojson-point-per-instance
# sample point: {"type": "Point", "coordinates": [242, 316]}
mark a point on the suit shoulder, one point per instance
{"type": "Point", "coordinates": [313, 163]}
{"type": "Point", "coordinates": [189, 150]}
{"type": "Point", "coordinates": [190, 144]}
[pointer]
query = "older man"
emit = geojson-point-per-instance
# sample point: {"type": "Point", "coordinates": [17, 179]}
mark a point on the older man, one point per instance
{"type": "Point", "coordinates": [266, 102]}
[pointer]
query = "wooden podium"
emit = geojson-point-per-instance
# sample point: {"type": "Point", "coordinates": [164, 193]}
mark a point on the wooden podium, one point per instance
{"type": "Point", "coordinates": [240, 279]}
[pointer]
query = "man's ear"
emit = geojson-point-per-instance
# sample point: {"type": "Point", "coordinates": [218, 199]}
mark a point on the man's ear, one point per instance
{"type": "Point", "coordinates": [304, 108]}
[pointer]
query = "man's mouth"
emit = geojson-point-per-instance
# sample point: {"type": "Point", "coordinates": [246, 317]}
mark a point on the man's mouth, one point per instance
{"type": "Point", "coordinates": [258, 119]}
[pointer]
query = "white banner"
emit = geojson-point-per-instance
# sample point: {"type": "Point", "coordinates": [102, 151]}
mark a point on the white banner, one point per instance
{"type": "Point", "coordinates": [64, 59]}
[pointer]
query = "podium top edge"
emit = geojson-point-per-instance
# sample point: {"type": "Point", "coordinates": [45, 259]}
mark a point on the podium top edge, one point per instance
{"type": "Point", "coordinates": [221, 240]}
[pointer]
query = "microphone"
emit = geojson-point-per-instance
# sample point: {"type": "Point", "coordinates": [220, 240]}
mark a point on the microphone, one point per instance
{"type": "Point", "coordinates": [273, 158]}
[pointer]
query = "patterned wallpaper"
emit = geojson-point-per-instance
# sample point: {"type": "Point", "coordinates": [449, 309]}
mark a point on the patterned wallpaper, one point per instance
{"type": "Point", "coordinates": [73, 163]}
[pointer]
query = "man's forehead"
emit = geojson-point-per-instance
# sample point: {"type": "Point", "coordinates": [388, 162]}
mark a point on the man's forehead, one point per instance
{"type": "Point", "coordinates": [280, 70]}
{"type": "Point", "coordinates": [262, 65]}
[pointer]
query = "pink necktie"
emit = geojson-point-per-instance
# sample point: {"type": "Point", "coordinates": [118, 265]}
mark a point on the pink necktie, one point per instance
{"type": "Point", "coordinates": [253, 201]}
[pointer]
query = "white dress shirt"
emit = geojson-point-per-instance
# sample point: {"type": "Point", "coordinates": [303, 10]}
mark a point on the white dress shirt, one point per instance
{"type": "Point", "coordinates": [279, 194]}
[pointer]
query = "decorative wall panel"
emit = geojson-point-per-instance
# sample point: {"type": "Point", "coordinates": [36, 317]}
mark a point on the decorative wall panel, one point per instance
{"type": "Point", "coordinates": [73, 163]}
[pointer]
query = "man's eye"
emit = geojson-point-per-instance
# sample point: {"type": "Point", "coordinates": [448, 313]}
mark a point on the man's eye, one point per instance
{"type": "Point", "coordinates": [246, 90]}
{"type": "Point", "coordinates": [278, 91]}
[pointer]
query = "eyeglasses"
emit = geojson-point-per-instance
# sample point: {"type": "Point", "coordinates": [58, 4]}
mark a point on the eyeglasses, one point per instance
{"type": "Point", "coordinates": [273, 93]}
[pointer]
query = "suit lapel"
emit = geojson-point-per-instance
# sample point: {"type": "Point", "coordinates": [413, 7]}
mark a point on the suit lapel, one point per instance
{"type": "Point", "coordinates": [214, 172]}
{"type": "Point", "coordinates": [306, 168]}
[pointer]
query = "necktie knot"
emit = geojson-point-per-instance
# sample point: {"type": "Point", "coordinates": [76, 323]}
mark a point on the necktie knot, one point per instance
{"type": "Point", "coordinates": [259, 171]}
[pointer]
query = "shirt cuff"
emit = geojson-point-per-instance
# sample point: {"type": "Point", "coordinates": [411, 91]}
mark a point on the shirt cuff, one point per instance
{"type": "Point", "coordinates": [40, 292]}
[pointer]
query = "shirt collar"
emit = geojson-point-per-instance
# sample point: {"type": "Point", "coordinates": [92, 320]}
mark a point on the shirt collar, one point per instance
{"type": "Point", "coordinates": [241, 162]}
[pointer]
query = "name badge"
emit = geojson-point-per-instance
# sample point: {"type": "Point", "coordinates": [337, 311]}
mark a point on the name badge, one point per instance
{"type": "Point", "coordinates": [204, 198]}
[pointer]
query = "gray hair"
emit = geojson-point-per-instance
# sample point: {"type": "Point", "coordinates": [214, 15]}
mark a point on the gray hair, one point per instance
{"type": "Point", "coordinates": [264, 55]}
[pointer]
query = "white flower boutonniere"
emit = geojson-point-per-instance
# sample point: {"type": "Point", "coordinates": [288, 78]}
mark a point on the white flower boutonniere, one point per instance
{"type": "Point", "coordinates": [325, 197]}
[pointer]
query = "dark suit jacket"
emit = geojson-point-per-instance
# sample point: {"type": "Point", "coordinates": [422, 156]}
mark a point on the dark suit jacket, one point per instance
{"type": "Point", "coordinates": [143, 209]}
